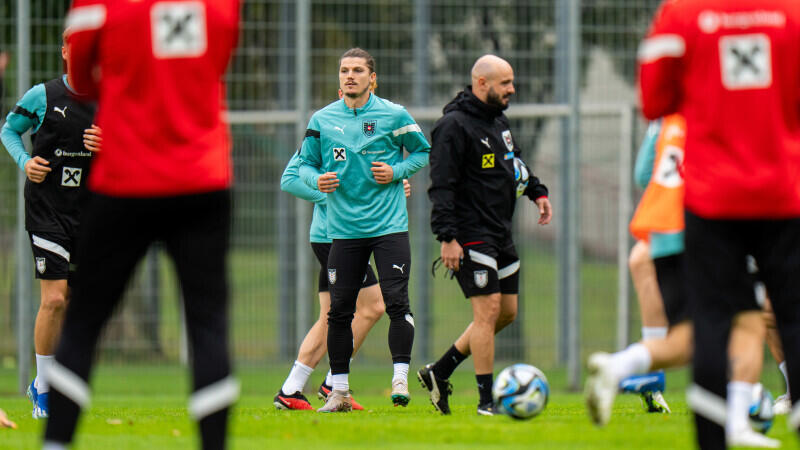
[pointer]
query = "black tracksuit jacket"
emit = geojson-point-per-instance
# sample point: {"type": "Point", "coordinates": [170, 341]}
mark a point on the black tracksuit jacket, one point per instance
{"type": "Point", "coordinates": [473, 189]}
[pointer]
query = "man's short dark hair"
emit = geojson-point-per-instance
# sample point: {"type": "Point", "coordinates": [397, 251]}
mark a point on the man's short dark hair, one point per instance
{"type": "Point", "coordinates": [356, 52]}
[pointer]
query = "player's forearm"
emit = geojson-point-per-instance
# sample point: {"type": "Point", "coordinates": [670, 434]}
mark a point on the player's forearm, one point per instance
{"type": "Point", "coordinates": [444, 223]}
{"type": "Point", "coordinates": [409, 166]}
{"type": "Point", "coordinates": [309, 175]}
{"type": "Point", "coordinates": [536, 189]}
{"type": "Point", "coordinates": [299, 189]}
{"type": "Point", "coordinates": [14, 145]}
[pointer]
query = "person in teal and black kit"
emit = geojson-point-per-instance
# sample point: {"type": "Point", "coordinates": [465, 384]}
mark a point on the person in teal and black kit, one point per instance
{"type": "Point", "coordinates": [62, 134]}
{"type": "Point", "coordinates": [360, 141]}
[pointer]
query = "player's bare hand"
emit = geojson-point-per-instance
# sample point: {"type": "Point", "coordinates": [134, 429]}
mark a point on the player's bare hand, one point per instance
{"type": "Point", "coordinates": [545, 210]}
{"type": "Point", "coordinates": [36, 169]}
{"type": "Point", "coordinates": [5, 422]}
{"type": "Point", "coordinates": [382, 172]}
{"type": "Point", "coordinates": [407, 188]}
{"type": "Point", "coordinates": [452, 254]}
{"type": "Point", "coordinates": [93, 138]}
{"type": "Point", "coordinates": [327, 182]}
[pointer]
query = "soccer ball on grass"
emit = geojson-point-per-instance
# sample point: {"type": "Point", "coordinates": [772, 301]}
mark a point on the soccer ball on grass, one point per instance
{"type": "Point", "coordinates": [521, 391]}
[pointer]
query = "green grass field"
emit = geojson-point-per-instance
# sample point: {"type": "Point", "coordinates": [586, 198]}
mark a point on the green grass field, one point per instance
{"type": "Point", "coordinates": [144, 408]}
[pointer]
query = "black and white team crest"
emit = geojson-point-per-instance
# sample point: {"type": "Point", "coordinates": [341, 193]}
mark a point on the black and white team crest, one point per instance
{"type": "Point", "coordinates": [41, 265]}
{"type": "Point", "coordinates": [178, 29]}
{"type": "Point", "coordinates": [339, 154]}
{"type": "Point", "coordinates": [369, 127]}
{"type": "Point", "coordinates": [71, 176]}
{"type": "Point", "coordinates": [746, 61]}
{"type": "Point", "coordinates": [332, 276]}
{"type": "Point", "coordinates": [508, 140]}
{"type": "Point", "coordinates": [481, 278]}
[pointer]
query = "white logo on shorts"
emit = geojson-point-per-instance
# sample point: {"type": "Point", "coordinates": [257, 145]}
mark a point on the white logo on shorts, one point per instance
{"type": "Point", "coordinates": [481, 278]}
{"type": "Point", "coordinates": [41, 265]}
{"type": "Point", "coordinates": [332, 276]}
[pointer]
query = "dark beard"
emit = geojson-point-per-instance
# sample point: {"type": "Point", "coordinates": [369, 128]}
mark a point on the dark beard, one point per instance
{"type": "Point", "coordinates": [357, 95]}
{"type": "Point", "coordinates": [495, 100]}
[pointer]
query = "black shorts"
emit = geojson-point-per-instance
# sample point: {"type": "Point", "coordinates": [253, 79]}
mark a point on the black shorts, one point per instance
{"type": "Point", "coordinates": [717, 262]}
{"type": "Point", "coordinates": [54, 255]}
{"type": "Point", "coordinates": [321, 251]}
{"type": "Point", "coordinates": [672, 284]}
{"type": "Point", "coordinates": [489, 269]}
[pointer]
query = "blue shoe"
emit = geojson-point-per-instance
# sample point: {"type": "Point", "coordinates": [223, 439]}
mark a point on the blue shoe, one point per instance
{"type": "Point", "coordinates": [42, 409]}
{"type": "Point", "coordinates": [638, 384]}
{"type": "Point", "coordinates": [32, 393]}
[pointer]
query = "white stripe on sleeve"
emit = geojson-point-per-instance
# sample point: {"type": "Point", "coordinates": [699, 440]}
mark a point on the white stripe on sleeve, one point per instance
{"type": "Point", "coordinates": [85, 18]}
{"type": "Point", "coordinates": [661, 46]}
{"type": "Point", "coordinates": [407, 129]}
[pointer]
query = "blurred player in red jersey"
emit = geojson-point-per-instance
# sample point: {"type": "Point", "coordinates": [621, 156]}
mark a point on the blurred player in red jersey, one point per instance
{"type": "Point", "coordinates": [156, 69]}
{"type": "Point", "coordinates": [731, 68]}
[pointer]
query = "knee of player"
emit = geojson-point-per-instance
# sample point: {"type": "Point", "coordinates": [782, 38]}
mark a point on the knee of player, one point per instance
{"type": "Point", "coordinates": [376, 310]}
{"type": "Point", "coordinates": [54, 301]}
{"type": "Point", "coordinates": [487, 310]}
{"type": "Point", "coordinates": [340, 317]}
{"type": "Point", "coordinates": [506, 317]}
{"type": "Point", "coordinates": [639, 256]}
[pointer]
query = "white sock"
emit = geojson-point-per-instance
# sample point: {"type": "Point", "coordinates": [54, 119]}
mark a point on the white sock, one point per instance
{"type": "Point", "coordinates": [297, 378]}
{"type": "Point", "coordinates": [782, 367]}
{"type": "Point", "coordinates": [400, 372]}
{"type": "Point", "coordinates": [43, 363]}
{"type": "Point", "coordinates": [52, 445]}
{"type": "Point", "coordinates": [340, 382]}
{"type": "Point", "coordinates": [649, 333]}
{"type": "Point", "coordinates": [633, 360]}
{"type": "Point", "coordinates": [740, 393]}
{"type": "Point", "coordinates": [329, 376]}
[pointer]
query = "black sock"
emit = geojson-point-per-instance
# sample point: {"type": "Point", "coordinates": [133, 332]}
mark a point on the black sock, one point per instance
{"type": "Point", "coordinates": [485, 387]}
{"type": "Point", "coordinates": [445, 366]}
{"type": "Point", "coordinates": [401, 339]}
{"type": "Point", "coordinates": [213, 430]}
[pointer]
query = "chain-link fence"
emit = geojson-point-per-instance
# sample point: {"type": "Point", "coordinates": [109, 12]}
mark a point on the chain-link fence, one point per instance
{"type": "Point", "coordinates": [424, 50]}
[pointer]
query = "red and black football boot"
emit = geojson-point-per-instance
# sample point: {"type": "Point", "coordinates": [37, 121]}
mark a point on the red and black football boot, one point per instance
{"type": "Point", "coordinates": [295, 401]}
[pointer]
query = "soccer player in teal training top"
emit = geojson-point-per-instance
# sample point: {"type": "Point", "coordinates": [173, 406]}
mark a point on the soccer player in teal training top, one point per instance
{"type": "Point", "coordinates": [360, 140]}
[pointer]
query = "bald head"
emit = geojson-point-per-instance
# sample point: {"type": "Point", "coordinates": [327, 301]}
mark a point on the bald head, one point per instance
{"type": "Point", "coordinates": [489, 66]}
{"type": "Point", "coordinates": [493, 80]}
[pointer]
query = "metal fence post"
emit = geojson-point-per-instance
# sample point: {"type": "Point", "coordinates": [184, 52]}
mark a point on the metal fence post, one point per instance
{"type": "Point", "coordinates": [302, 97]}
{"type": "Point", "coordinates": [287, 299]}
{"type": "Point", "coordinates": [23, 291]}
{"type": "Point", "coordinates": [419, 201]}
{"type": "Point", "coordinates": [625, 201]}
{"type": "Point", "coordinates": [568, 239]}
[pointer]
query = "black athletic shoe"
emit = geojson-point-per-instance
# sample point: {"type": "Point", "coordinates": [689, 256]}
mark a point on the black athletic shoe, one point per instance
{"type": "Point", "coordinates": [486, 409]}
{"type": "Point", "coordinates": [438, 389]}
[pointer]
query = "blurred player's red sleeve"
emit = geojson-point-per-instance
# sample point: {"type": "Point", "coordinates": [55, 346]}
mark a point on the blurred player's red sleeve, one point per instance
{"type": "Point", "coordinates": [660, 57]}
{"type": "Point", "coordinates": [85, 20]}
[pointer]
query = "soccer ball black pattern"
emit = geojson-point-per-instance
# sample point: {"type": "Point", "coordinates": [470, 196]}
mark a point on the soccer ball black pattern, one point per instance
{"type": "Point", "coordinates": [521, 391]}
{"type": "Point", "coordinates": [521, 176]}
{"type": "Point", "coordinates": [761, 414]}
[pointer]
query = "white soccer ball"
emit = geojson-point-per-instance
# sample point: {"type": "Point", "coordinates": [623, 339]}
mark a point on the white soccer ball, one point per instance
{"type": "Point", "coordinates": [521, 176]}
{"type": "Point", "coordinates": [521, 391]}
{"type": "Point", "coordinates": [761, 414]}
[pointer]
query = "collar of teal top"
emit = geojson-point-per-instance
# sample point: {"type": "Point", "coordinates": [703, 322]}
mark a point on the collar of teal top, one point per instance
{"type": "Point", "coordinates": [66, 83]}
{"type": "Point", "coordinates": [366, 106]}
